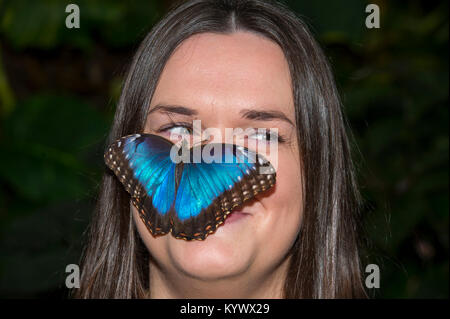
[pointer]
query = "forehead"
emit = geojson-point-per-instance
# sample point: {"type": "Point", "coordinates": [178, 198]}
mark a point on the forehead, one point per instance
{"type": "Point", "coordinates": [238, 70]}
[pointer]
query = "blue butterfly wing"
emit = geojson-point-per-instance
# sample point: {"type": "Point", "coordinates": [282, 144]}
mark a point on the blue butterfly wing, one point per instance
{"type": "Point", "coordinates": [188, 199]}
{"type": "Point", "coordinates": [208, 191]}
{"type": "Point", "coordinates": [143, 165]}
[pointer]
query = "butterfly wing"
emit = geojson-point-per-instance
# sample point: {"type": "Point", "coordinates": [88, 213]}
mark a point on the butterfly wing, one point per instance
{"type": "Point", "coordinates": [143, 165]}
{"type": "Point", "coordinates": [208, 192]}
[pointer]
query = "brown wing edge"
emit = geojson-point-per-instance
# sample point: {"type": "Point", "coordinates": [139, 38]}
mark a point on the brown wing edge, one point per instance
{"type": "Point", "coordinates": [161, 224]}
{"type": "Point", "coordinates": [215, 215]}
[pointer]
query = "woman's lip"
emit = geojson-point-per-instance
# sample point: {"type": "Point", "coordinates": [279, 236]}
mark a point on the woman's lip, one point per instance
{"type": "Point", "coordinates": [236, 216]}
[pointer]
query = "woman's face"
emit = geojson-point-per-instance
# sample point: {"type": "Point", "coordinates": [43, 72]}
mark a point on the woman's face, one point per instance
{"type": "Point", "coordinates": [239, 80]}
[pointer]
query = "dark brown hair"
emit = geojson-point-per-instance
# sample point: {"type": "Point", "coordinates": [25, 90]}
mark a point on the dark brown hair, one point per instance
{"type": "Point", "coordinates": [324, 258]}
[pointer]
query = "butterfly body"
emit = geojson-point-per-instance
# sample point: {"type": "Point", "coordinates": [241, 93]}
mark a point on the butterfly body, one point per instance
{"type": "Point", "coordinates": [192, 198]}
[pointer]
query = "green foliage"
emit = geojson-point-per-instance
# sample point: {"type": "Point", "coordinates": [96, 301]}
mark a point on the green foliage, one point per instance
{"type": "Point", "coordinates": [394, 84]}
{"type": "Point", "coordinates": [41, 24]}
{"type": "Point", "coordinates": [49, 168]}
{"type": "Point", "coordinates": [394, 87]}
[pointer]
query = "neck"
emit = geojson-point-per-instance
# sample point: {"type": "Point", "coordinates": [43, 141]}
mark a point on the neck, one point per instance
{"type": "Point", "coordinates": [177, 285]}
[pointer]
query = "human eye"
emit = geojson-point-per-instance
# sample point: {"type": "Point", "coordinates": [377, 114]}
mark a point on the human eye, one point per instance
{"type": "Point", "coordinates": [179, 129]}
{"type": "Point", "coordinates": [265, 135]}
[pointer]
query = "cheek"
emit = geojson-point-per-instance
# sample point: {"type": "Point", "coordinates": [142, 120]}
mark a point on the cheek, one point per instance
{"type": "Point", "coordinates": [282, 220]}
{"type": "Point", "coordinates": [288, 195]}
{"type": "Point", "coordinates": [155, 245]}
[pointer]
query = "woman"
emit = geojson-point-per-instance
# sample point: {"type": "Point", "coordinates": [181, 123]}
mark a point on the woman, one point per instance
{"type": "Point", "coordinates": [235, 64]}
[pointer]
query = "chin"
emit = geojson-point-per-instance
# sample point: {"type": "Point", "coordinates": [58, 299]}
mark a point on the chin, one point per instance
{"type": "Point", "coordinates": [217, 257]}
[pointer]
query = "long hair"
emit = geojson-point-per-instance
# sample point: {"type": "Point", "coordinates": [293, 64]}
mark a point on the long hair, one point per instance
{"type": "Point", "coordinates": [324, 258]}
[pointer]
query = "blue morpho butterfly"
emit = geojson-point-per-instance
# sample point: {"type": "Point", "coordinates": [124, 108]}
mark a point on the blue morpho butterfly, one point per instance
{"type": "Point", "coordinates": [192, 198]}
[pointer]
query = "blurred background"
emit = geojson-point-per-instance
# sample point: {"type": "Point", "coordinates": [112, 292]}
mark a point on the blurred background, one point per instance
{"type": "Point", "coordinates": [59, 87]}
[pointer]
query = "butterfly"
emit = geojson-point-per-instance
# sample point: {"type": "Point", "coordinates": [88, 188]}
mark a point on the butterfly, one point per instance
{"type": "Point", "coordinates": [189, 196]}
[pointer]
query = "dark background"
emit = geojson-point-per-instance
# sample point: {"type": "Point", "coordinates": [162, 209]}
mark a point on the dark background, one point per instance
{"type": "Point", "coordinates": [59, 86]}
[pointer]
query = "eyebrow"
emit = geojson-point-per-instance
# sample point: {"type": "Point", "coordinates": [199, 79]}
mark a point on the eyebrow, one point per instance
{"type": "Point", "coordinates": [265, 115]}
{"type": "Point", "coordinates": [178, 109]}
{"type": "Point", "coordinates": [250, 114]}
